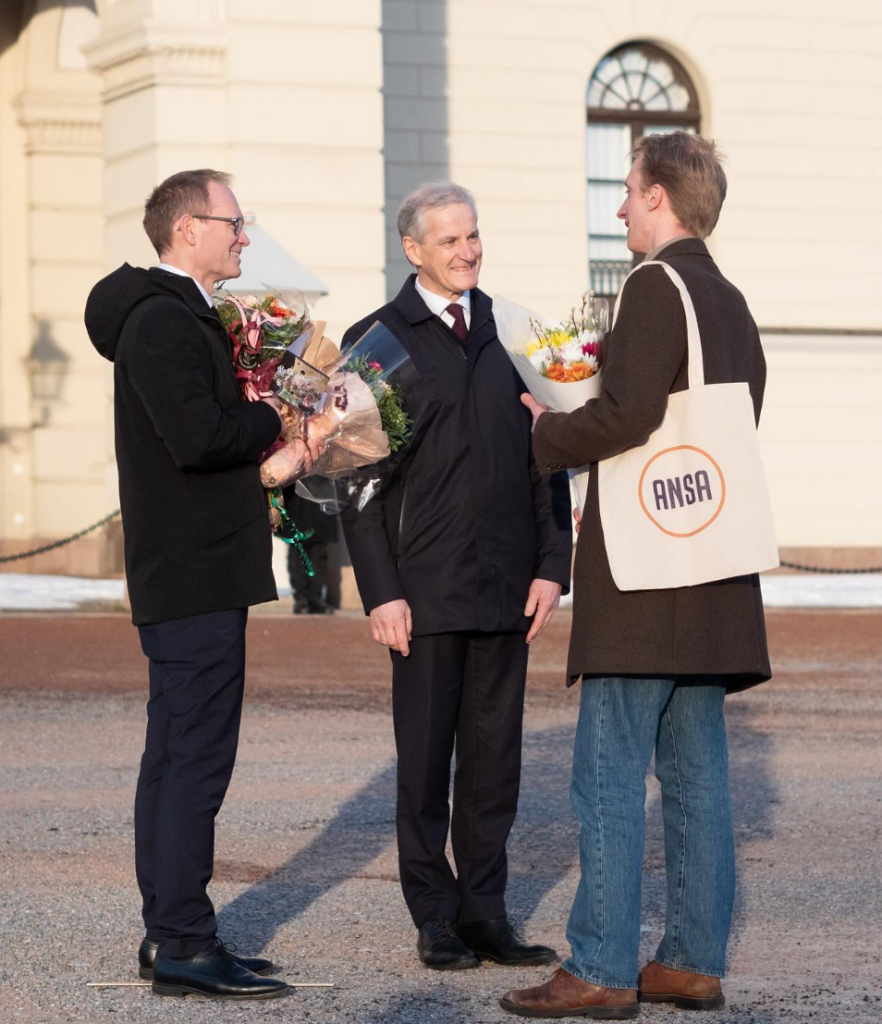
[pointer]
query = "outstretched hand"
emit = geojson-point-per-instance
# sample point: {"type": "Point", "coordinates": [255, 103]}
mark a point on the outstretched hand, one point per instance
{"type": "Point", "coordinates": [536, 408]}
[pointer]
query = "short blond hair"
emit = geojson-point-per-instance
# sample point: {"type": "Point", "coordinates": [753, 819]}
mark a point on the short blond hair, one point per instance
{"type": "Point", "coordinates": [688, 168]}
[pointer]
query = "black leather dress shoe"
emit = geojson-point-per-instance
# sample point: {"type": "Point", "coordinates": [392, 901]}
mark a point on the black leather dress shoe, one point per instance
{"type": "Point", "coordinates": [215, 974]}
{"type": "Point", "coordinates": [147, 954]}
{"type": "Point", "coordinates": [496, 940]}
{"type": "Point", "coordinates": [441, 948]}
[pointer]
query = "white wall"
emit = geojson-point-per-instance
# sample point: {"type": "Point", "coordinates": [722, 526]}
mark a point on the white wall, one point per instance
{"type": "Point", "coordinates": [52, 251]}
{"type": "Point", "coordinates": [305, 137]}
{"type": "Point", "coordinates": [821, 435]}
{"type": "Point", "coordinates": [288, 96]}
{"type": "Point", "coordinates": [16, 451]}
{"type": "Point", "coordinates": [491, 94]}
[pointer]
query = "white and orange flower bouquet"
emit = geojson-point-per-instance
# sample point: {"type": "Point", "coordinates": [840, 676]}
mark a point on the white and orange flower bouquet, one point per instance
{"type": "Point", "coordinates": [559, 361]}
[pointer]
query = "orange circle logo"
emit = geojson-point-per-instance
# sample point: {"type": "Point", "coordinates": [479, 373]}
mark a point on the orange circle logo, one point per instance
{"type": "Point", "coordinates": [684, 493]}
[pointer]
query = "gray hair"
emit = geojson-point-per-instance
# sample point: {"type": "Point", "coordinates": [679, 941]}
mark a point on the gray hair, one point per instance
{"type": "Point", "coordinates": [429, 196]}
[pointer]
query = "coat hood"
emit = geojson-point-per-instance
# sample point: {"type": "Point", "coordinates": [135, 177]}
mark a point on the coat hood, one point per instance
{"type": "Point", "coordinates": [112, 300]}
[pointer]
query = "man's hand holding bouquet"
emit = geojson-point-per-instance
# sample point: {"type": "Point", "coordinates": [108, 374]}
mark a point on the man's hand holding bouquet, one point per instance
{"type": "Point", "coordinates": [341, 411]}
{"type": "Point", "coordinates": [558, 361]}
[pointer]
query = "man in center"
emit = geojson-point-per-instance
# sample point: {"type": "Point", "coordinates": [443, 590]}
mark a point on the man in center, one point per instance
{"type": "Point", "coordinates": [460, 563]}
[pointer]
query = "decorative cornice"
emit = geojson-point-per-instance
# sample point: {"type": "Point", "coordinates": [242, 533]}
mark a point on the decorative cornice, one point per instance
{"type": "Point", "coordinates": [153, 54]}
{"type": "Point", "coordinates": [56, 123]}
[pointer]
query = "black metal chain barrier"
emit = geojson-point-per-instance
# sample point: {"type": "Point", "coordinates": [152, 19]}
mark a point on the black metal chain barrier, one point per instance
{"type": "Point", "coordinates": [59, 543]}
{"type": "Point", "coordinates": [115, 513]}
{"type": "Point", "coordinates": [836, 572]}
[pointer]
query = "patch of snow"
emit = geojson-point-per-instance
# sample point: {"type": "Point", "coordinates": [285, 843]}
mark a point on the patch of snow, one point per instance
{"type": "Point", "coordinates": [23, 592]}
{"type": "Point", "coordinates": [822, 590]}
{"type": "Point", "coordinates": [813, 590]}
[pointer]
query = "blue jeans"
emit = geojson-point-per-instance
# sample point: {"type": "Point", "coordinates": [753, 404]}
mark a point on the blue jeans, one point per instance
{"type": "Point", "coordinates": [621, 722]}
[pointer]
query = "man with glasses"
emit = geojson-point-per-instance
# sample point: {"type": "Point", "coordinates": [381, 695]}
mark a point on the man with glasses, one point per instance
{"type": "Point", "coordinates": [237, 222]}
{"type": "Point", "coordinates": [198, 552]}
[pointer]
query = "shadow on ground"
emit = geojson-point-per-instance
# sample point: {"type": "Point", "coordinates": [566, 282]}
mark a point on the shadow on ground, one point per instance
{"type": "Point", "coordinates": [541, 853]}
{"type": "Point", "coordinates": [543, 850]}
{"type": "Point", "coordinates": [358, 833]}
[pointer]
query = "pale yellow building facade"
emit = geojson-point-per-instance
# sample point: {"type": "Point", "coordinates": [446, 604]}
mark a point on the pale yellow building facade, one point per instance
{"type": "Point", "coordinates": [328, 112]}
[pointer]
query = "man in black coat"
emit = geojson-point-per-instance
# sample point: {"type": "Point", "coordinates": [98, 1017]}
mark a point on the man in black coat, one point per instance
{"type": "Point", "coordinates": [198, 553]}
{"type": "Point", "coordinates": [460, 564]}
{"type": "Point", "coordinates": [655, 665]}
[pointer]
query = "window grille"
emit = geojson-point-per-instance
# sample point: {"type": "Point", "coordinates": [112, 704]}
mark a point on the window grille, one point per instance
{"type": "Point", "coordinates": [637, 89]}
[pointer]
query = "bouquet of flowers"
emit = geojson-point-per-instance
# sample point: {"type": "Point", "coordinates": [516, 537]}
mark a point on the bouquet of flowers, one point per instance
{"type": "Point", "coordinates": [351, 405]}
{"type": "Point", "coordinates": [558, 361]}
{"type": "Point", "coordinates": [261, 331]}
{"type": "Point", "coordinates": [360, 416]}
{"type": "Point", "coordinates": [570, 351]}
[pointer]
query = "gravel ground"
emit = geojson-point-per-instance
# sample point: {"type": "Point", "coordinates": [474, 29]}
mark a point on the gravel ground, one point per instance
{"type": "Point", "coordinates": [306, 862]}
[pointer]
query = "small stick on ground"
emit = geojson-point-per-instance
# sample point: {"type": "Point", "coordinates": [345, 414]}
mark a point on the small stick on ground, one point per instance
{"type": "Point", "coordinates": [148, 984]}
{"type": "Point", "coordinates": [118, 984]}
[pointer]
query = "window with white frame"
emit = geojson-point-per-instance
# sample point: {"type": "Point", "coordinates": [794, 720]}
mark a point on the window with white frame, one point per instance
{"type": "Point", "coordinates": [637, 89]}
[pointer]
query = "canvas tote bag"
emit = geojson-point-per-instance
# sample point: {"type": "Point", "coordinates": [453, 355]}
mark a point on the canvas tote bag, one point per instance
{"type": "Point", "coordinates": [692, 504]}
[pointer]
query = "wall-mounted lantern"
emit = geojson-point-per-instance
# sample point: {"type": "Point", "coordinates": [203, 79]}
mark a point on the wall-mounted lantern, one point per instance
{"type": "Point", "coordinates": [48, 365]}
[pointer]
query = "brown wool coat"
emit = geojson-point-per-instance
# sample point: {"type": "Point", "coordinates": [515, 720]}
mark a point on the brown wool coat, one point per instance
{"type": "Point", "coordinates": [716, 628]}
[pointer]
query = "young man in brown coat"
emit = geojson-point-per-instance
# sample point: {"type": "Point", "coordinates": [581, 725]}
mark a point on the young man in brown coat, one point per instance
{"type": "Point", "coordinates": [655, 665]}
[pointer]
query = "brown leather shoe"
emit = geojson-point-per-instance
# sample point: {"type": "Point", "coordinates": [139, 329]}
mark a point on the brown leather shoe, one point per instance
{"type": "Point", "coordinates": [567, 996]}
{"type": "Point", "coordinates": [687, 991]}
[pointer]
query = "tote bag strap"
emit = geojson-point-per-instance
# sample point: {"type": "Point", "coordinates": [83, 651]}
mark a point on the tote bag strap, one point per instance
{"type": "Point", "coordinates": [693, 338]}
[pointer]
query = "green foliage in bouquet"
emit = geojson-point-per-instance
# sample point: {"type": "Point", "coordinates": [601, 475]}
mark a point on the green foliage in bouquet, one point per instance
{"type": "Point", "coordinates": [275, 337]}
{"type": "Point", "coordinates": [395, 420]}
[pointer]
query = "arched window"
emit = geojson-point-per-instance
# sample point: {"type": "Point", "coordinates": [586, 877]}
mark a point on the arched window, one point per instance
{"type": "Point", "coordinates": [636, 89]}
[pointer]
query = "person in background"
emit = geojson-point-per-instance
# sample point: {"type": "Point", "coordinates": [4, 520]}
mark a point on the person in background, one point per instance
{"type": "Point", "coordinates": [319, 594]}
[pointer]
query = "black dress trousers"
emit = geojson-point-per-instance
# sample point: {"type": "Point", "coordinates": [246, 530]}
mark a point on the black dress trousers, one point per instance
{"type": "Point", "coordinates": [467, 690]}
{"type": "Point", "coordinates": [197, 676]}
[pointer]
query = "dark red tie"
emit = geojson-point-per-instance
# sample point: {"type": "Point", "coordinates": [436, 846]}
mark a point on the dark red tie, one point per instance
{"type": "Point", "coordinates": [459, 324]}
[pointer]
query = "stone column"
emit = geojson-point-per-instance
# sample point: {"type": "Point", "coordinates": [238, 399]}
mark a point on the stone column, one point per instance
{"type": "Point", "coordinates": [52, 226]}
{"type": "Point", "coordinates": [162, 66]}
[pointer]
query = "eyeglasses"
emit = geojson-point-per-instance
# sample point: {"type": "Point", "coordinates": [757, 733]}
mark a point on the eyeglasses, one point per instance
{"type": "Point", "coordinates": [237, 222]}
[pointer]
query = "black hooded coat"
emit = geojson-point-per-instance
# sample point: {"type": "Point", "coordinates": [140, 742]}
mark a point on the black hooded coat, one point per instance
{"type": "Point", "coordinates": [194, 514]}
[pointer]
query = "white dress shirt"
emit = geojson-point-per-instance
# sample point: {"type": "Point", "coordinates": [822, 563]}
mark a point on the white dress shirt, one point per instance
{"type": "Point", "coordinates": [438, 304]}
{"type": "Point", "coordinates": [183, 273]}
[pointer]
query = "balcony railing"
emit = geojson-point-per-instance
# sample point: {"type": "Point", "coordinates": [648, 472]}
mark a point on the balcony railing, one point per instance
{"type": "Point", "coordinates": [608, 276]}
